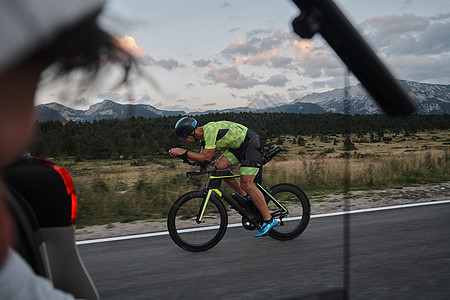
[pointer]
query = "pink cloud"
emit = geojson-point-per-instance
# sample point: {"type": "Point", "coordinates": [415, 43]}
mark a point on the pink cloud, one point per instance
{"type": "Point", "coordinates": [231, 76]}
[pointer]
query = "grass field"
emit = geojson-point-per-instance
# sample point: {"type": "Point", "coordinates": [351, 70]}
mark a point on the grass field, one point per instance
{"type": "Point", "coordinates": [124, 190]}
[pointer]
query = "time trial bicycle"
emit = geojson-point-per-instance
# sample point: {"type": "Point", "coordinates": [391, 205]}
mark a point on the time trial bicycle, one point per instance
{"type": "Point", "coordinates": [198, 220]}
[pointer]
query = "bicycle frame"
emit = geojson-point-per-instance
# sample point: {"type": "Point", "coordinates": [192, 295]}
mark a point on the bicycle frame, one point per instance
{"type": "Point", "coordinates": [207, 207]}
{"type": "Point", "coordinates": [213, 186]}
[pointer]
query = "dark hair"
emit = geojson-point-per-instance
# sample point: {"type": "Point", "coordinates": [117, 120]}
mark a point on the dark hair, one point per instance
{"type": "Point", "coordinates": [87, 47]}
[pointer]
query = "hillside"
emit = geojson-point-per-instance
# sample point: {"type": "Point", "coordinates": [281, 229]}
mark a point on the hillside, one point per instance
{"type": "Point", "coordinates": [431, 99]}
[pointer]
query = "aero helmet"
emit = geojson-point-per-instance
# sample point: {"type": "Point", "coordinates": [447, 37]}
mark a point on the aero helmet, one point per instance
{"type": "Point", "coordinates": [185, 127]}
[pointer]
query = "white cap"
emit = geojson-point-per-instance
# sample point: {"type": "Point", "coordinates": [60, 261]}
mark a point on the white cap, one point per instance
{"type": "Point", "coordinates": [26, 25]}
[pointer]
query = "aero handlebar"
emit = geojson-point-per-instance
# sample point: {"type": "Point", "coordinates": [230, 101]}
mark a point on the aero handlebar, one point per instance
{"type": "Point", "coordinates": [202, 164]}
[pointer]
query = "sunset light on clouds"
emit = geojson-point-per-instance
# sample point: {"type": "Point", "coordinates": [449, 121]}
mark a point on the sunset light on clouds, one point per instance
{"type": "Point", "coordinates": [128, 43]}
{"type": "Point", "coordinates": [223, 54]}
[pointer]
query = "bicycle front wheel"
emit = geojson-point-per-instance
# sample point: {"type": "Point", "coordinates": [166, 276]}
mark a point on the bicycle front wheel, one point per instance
{"type": "Point", "coordinates": [184, 229]}
{"type": "Point", "coordinates": [294, 214]}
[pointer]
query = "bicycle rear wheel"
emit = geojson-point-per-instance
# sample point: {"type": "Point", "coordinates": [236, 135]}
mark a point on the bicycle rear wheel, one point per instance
{"type": "Point", "coordinates": [293, 222]}
{"type": "Point", "coordinates": [184, 229]}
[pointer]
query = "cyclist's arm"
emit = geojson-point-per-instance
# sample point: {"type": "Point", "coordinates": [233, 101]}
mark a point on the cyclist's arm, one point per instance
{"type": "Point", "coordinates": [205, 154]}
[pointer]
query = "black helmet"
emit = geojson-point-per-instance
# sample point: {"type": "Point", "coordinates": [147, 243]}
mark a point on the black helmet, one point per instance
{"type": "Point", "coordinates": [184, 127]}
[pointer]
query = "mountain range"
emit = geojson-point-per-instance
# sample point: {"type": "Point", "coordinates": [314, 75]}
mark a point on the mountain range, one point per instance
{"type": "Point", "coordinates": [430, 99]}
{"type": "Point", "coordinates": [106, 109]}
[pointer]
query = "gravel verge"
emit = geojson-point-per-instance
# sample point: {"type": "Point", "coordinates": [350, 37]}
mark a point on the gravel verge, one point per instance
{"type": "Point", "coordinates": [319, 205]}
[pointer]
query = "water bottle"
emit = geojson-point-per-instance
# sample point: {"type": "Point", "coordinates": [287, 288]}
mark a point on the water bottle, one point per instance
{"type": "Point", "coordinates": [273, 152]}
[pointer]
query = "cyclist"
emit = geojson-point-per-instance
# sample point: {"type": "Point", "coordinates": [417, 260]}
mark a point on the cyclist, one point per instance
{"type": "Point", "coordinates": [244, 147]}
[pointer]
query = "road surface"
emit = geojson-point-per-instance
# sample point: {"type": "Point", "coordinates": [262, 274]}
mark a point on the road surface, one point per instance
{"type": "Point", "coordinates": [394, 254]}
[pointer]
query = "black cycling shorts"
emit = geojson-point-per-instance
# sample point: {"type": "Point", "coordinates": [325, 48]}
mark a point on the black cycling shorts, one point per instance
{"type": "Point", "coordinates": [249, 154]}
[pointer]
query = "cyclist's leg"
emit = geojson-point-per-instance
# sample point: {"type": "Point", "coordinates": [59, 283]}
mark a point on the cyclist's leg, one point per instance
{"type": "Point", "coordinates": [226, 160]}
{"type": "Point", "coordinates": [247, 184]}
{"type": "Point", "coordinates": [251, 163]}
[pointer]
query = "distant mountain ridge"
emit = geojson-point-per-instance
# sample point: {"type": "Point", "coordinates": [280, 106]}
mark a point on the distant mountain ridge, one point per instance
{"type": "Point", "coordinates": [106, 109]}
{"type": "Point", "coordinates": [430, 99]}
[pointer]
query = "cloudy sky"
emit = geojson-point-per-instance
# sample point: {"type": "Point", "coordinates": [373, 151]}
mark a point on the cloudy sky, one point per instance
{"type": "Point", "coordinates": [203, 54]}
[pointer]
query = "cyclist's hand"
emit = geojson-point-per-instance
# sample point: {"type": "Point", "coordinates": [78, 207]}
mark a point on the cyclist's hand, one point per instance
{"type": "Point", "coordinates": [176, 151]}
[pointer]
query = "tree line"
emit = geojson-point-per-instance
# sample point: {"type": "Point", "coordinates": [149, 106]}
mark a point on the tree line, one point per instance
{"type": "Point", "coordinates": [140, 137]}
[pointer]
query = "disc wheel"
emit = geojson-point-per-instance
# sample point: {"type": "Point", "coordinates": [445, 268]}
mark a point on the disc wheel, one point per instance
{"type": "Point", "coordinates": [293, 221]}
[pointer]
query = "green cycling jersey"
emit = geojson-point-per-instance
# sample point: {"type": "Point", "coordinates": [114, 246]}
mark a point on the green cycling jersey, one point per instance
{"type": "Point", "coordinates": [223, 134]}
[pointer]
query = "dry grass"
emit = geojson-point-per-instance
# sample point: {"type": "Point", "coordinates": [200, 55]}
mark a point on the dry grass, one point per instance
{"type": "Point", "coordinates": [123, 191]}
{"type": "Point", "coordinates": [324, 174]}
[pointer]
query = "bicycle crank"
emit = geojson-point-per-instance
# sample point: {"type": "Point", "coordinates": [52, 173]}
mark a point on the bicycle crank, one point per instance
{"type": "Point", "coordinates": [256, 223]}
{"type": "Point", "coordinates": [248, 225]}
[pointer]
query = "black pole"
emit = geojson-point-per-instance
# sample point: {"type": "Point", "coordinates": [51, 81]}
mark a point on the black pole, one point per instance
{"type": "Point", "coordinates": [324, 17]}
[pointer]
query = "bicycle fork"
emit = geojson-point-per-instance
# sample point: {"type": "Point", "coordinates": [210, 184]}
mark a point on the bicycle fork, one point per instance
{"type": "Point", "coordinates": [205, 201]}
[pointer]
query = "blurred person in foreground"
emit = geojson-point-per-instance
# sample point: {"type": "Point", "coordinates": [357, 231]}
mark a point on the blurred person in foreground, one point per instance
{"type": "Point", "coordinates": [61, 36]}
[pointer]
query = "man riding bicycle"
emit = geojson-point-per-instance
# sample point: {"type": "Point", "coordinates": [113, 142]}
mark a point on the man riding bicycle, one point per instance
{"type": "Point", "coordinates": [244, 147]}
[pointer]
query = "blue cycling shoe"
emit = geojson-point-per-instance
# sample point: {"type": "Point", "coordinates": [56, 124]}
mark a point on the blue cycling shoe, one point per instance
{"type": "Point", "coordinates": [265, 228]}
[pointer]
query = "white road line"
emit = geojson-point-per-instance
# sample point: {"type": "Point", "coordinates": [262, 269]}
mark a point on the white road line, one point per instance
{"type": "Point", "coordinates": [153, 234]}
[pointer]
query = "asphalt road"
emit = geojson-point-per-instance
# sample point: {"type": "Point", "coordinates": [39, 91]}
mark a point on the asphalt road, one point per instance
{"type": "Point", "coordinates": [395, 254]}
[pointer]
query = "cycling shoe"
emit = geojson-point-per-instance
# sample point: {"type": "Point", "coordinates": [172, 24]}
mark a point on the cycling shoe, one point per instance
{"type": "Point", "coordinates": [266, 226]}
